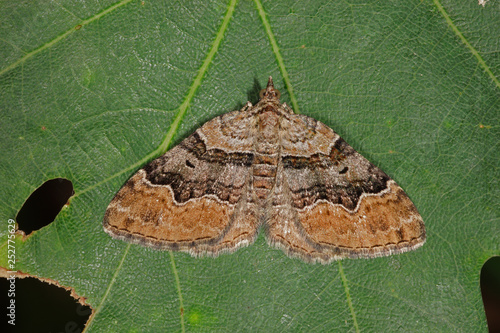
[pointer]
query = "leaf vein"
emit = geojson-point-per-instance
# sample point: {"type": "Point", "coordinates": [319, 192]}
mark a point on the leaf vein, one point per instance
{"type": "Point", "coordinates": [466, 42]}
{"type": "Point", "coordinates": [62, 36]}
{"type": "Point", "coordinates": [277, 53]}
{"type": "Point", "coordinates": [108, 289]}
{"type": "Point", "coordinates": [348, 296]}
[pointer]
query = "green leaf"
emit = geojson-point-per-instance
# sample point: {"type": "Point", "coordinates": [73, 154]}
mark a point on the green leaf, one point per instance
{"type": "Point", "coordinates": [91, 92]}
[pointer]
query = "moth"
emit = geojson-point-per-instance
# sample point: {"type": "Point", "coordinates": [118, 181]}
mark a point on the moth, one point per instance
{"type": "Point", "coordinates": [264, 167]}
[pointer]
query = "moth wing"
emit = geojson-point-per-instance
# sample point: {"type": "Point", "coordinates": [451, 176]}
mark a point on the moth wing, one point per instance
{"type": "Point", "coordinates": [193, 198]}
{"type": "Point", "coordinates": [332, 203]}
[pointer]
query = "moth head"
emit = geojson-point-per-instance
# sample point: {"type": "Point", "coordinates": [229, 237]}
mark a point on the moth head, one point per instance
{"type": "Point", "coordinates": [270, 93]}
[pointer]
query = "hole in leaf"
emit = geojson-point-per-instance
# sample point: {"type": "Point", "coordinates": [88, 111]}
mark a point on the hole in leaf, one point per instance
{"type": "Point", "coordinates": [41, 307]}
{"type": "Point", "coordinates": [44, 204]}
{"type": "Point", "coordinates": [490, 290]}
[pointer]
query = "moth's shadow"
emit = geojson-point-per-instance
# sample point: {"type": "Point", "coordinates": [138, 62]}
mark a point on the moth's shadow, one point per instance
{"type": "Point", "coordinates": [253, 94]}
